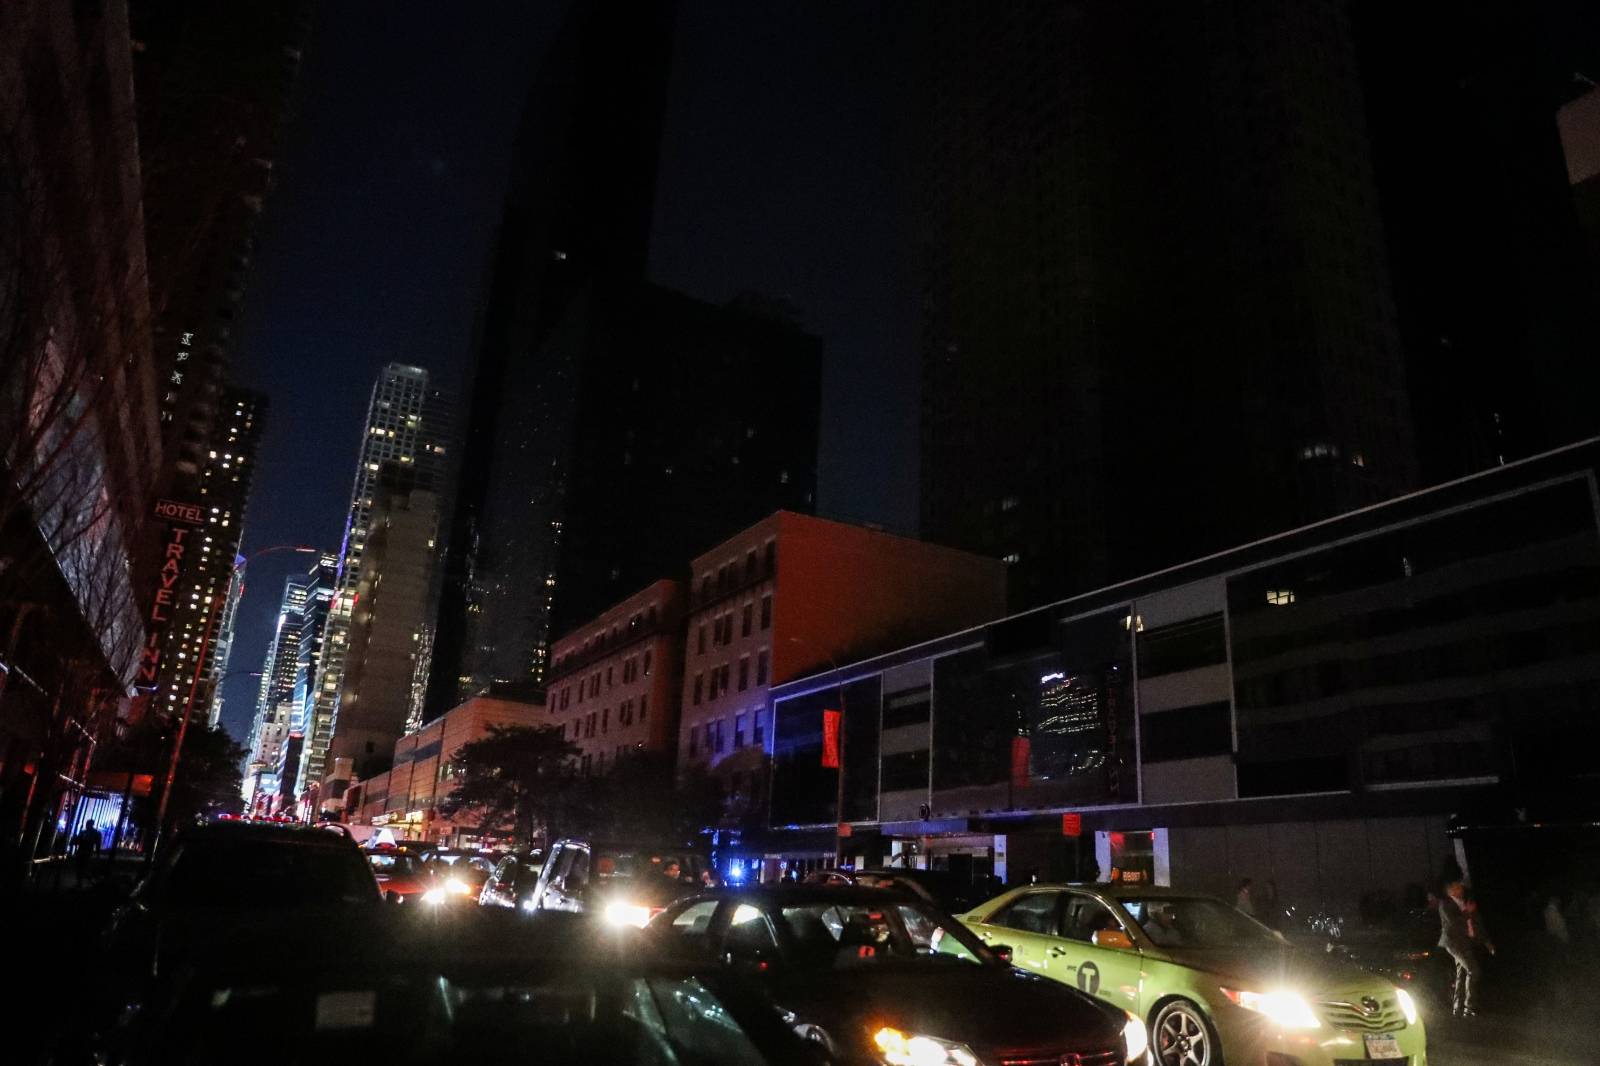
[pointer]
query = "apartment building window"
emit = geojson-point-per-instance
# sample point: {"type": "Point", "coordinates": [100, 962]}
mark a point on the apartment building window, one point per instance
{"type": "Point", "coordinates": [771, 559]}
{"type": "Point", "coordinates": [590, 731]}
{"type": "Point", "coordinates": [749, 614]}
{"type": "Point", "coordinates": [694, 741]}
{"type": "Point", "coordinates": [722, 740]}
{"type": "Point", "coordinates": [750, 565]}
{"type": "Point", "coordinates": [744, 672]}
{"type": "Point", "coordinates": [644, 707]}
{"type": "Point", "coordinates": [581, 687]}
{"type": "Point", "coordinates": [766, 611]}
{"type": "Point", "coordinates": [647, 664]}
{"type": "Point", "coordinates": [605, 719]}
{"type": "Point", "coordinates": [761, 666]}
{"type": "Point", "coordinates": [757, 733]}
{"type": "Point", "coordinates": [705, 587]}
{"type": "Point", "coordinates": [702, 648]}
{"type": "Point", "coordinates": [622, 712]}
{"type": "Point", "coordinates": [739, 721]}
{"type": "Point", "coordinates": [722, 678]}
{"type": "Point", "coordinates": [698, 679]}
{"type": "Point", "coordinates": [608, 677]}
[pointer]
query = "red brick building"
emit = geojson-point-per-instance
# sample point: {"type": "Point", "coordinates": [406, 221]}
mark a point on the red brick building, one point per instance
{"type": "Point", "coordinates": [614, 682]}
{"type": "Point", "coordinates": [793, 594]}
{"type": "Point", "coordinates": [405, 798]}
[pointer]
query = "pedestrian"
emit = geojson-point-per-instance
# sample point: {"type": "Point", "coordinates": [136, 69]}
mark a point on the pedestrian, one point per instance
{"type": "Point", "coordinates": [1459, 930]}
{"type": "Point", "coordinates": [709, 878]}
{"type": "Point", "coordinates": [84, 845]}
{"type": "Point", "coordinates": [1242, 899]}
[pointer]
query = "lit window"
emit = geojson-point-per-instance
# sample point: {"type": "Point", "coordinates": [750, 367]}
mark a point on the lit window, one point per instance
{"type": "Point", "coordinates": [1280, 597]}
{"type": "Point", "coordinates": [1013, 557]}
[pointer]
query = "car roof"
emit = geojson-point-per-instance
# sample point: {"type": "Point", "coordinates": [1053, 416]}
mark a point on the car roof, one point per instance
{"type": "Point", "coordinates": [782, 893]}
{"type": "Point", "coordinates": [1120, 891]}
{"type": "Point", "coordinates": [295, 835]}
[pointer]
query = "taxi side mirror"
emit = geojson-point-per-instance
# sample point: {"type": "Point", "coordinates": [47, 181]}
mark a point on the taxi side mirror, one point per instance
{"type": "Point", "coordinates": [1115, 939]}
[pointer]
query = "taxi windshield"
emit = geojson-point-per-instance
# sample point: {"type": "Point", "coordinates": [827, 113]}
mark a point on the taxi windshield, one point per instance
{"type": "Point", "coordinates": [1196, 923]}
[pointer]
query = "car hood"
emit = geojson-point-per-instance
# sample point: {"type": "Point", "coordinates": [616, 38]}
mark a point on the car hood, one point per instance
{"type": "Point", "coordinates": [1272, 967]}
{"type": "Point", "coordinates": [992, 1009]}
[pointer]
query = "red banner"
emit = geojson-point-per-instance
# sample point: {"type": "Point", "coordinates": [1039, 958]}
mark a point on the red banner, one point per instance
{"type": "Point", "coordinates": [1021, 747]}
{"type": "Point", "coordinates": [830, 738]}
{"type": "Point", "coordinates": [1071, 825]}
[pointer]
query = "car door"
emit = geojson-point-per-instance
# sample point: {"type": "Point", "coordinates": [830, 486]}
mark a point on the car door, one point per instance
{"type": "Point", "coordinates": [1025, 924]}
{"type": "Point", "coordinates": [1095, 952]}
{"type": "Point", "coordinates": [567, 890]}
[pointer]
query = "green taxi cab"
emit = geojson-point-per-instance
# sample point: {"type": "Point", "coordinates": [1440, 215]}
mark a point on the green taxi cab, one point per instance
{"type": "Point", "coordinates": [1212, 984]}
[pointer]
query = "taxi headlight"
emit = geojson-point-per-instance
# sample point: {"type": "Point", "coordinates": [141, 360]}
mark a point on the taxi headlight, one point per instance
{"type": "Point", "coordinates": [1408, 1006]}
{"type": "Point", "coordinates": [1284, 1009]}
{"type": "Point", "coordinates": [896, 1048]}
{"type": "Point", "coordinates": [433, 895]}
{"type": "Point", "coordinates": [458, 886]}
{"type": "Point", "coordinates": [1135, 1037]}
{"type": "Point", "coordinates": [634, 914]}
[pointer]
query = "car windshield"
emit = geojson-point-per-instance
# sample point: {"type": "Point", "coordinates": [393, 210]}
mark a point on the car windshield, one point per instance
{"type": "Point", "coordinates": [630, 863]}
{"type": "Point", "coordinates": [394, 864]}
{"type": "Point", "coordinates": [828, 933]}
{"type": "Point", "coordinates": [266, 875]}
{"type": "Point", "coordinates": [1195, 922]}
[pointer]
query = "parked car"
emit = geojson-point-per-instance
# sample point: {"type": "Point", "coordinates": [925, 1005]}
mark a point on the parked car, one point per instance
{"type": "Point", "coordinates": [880, 976]}
{"type": "Point", "coordinates": [627, 883]}
{"type": "Point", "coordinates": [1212, 984]}
{"type": "Point", "coordinates": [513, 880]}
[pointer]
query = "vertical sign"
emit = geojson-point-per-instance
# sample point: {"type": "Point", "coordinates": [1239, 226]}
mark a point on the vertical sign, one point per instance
{"type": "Point", "coordinates": [1021, 749]}
{"type": "Point", "coordinates": [1071, 825]}
{"type": "Point", "coordinates": [180, 517]}
{"type": "Point", "coordinates": [830, 738]}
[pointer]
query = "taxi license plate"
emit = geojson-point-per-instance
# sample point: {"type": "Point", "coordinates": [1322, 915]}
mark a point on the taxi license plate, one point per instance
{"type": "Point", "coordinates": [1382, 1046]}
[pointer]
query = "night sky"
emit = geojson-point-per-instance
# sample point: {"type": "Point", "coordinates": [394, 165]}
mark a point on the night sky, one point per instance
{"type": "Point", "coordinates": [776, 177]}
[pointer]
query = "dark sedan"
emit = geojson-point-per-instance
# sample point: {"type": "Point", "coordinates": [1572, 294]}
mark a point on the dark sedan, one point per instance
{"type": "Point", "coordinates": [879, 976]}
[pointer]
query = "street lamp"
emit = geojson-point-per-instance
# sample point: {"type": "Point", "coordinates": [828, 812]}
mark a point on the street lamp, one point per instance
{"type": "Point", "coordinates": [838, 800]}
{"type": "Point", "coordinates": [194, 682]}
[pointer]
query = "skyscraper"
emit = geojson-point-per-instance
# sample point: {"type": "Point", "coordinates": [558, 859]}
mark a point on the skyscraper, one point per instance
{"type": "Point", "coordinates": [189, 665]}
{"type": "Point", "coordinates": [405, 437]}
{"type": "Point", "coordinates": [274, 704]}
{"type": "Point", "coordinates": [213, 85]}
{"type": "Point", "coordinates": [699, 421]}
{"type": "Point", "coordinates": [1158, 318]}
{"type": "Point", "coordinates": [311, 627]}
{"type": "Point", "coordinates": [571, 251]}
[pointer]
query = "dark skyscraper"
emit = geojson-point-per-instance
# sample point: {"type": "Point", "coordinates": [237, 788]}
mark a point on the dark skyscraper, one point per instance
{"type": "Point", "coordinates": [701, 421]}
{"type": "Point", "coordinates": [1494, 291]}
{"type": "Point", "coordinates": [213, 85]}
{"type": "Point", "coordinates": [570, 253]}
{"type": "Point", "coordinates": [1157, 312]}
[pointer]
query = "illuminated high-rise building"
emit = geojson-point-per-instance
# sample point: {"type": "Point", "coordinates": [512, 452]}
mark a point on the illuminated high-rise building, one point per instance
{"type": "Point", "coordinates": [404, 440]}
{"type": "Point", "coordinates": [191, 659]}
{"type": "Point", "coordinates": [270, 727]}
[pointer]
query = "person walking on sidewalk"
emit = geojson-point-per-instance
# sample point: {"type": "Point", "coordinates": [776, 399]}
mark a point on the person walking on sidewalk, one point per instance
{"type": "Point", "coordinates": [1457, 925]}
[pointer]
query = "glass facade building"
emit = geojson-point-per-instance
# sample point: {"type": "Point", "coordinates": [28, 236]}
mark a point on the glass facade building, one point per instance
{"type": "Point", "coordinates": [1313, 708]}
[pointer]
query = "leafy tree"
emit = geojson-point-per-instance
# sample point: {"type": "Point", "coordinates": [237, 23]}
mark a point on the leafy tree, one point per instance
{"type": "Point", "coordinates": [643, 797]}
{"type": "Point", "coordinates": [521, 776]}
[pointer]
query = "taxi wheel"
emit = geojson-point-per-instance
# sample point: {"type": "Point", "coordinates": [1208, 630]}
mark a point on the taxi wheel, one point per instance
{"type": "Point", "coordinates": [1181, 1035]}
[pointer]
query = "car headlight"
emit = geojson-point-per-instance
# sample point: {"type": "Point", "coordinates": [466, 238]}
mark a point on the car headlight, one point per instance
{"type": "Point", "coordinates": [433, 895]}
{"type": "Point", "coordinates": [1135, 1037]}
{"type": "Point", "coordinates": [1284, 1009]}
{"type": "Point", "coordinates": [1408, 1006]}
{"type": "Point", "coordinates": [458, 886]}
{"type": "Point", "coordinates": [896, 1048]}
{"type": "Point", "coordinates": [634, 914]}
{"type": "Point", "coordinates": [530, 903]}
